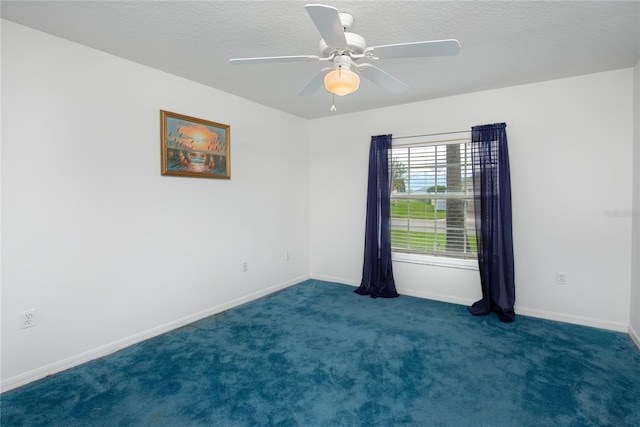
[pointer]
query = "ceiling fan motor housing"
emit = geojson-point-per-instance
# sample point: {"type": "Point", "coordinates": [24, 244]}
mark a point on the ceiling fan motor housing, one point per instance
{"type": "Point", "coordinates": [342, 61]}
{"type": "Point", "coordinates": [356, 44]}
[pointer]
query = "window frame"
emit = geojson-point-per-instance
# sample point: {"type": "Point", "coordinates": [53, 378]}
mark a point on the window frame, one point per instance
{"type": "Point", "coordinates": [440, 140]}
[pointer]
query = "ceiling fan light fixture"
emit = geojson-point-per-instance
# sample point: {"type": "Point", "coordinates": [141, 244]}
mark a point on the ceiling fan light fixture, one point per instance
{"type": "Point", "coordinates": [341, 81]}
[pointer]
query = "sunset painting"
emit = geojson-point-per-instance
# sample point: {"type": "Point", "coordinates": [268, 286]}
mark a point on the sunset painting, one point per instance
{"type": "Point", "coordinates": [194, 147]}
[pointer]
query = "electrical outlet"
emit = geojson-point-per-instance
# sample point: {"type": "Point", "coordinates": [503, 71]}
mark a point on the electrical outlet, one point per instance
{"type": "Point", "coordinates": [28, 319]}
{"type": "Point", "coordinates": [561, 278]}
{"type": "Point", "coordinates": [245, 267]}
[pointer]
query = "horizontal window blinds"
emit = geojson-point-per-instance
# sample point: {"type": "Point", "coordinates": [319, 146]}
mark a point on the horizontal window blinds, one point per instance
{"type": "Point", "coordinates": [432, 208]}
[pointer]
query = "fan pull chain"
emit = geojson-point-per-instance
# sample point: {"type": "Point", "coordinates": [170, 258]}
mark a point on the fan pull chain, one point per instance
{"type": "Point", "coordinates": [333, 105]}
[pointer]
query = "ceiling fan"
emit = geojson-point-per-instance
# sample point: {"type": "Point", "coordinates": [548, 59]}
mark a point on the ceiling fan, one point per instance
{"type": "Point", "coordinates": [348, 55]}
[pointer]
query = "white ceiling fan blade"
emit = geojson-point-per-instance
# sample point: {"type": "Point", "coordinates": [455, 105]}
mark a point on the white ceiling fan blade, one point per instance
{"type": "Point", "coordinates": [416, 49]}
{"type": "Point", "coordinates": [314, 84]}
{"type": "Point", "coordinates": [274, 59]}
{"type": "Point", "coordinates": [328, 23]}
{"type": "Point", "coordinates": [382, 79]}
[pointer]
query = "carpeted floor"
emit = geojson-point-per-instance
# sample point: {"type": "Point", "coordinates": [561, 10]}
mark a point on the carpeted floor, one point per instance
{"type": "Point", "coordinates": [316, 354]}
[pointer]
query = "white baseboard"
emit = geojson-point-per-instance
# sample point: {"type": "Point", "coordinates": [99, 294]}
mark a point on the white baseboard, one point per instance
{"type": "Point", "coordinates": [541, 314]}
{"type": "Point", "coordinates": [118, 345]}
{"type": "Point", "coordinates": [576, 320]}
{"type": "Point", "coordinates": [401, 291]}
{"type": "Point", "coordinates": [452, 299]}
{"type": "Point", "coordinates": [634, 336]}
{"type": "Point", "coordinates": [62, 365]}
{"type": "Point", "coordinates": [335, 280]}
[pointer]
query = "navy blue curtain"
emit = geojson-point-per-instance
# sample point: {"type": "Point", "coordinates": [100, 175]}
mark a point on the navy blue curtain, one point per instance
{"type": "Point", "coordinates": [492, 205]}
{"type": "Point", "coordinates": [377, 273]}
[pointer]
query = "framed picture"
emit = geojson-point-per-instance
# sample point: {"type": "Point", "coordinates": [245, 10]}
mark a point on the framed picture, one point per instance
{"type": "Point", "coordinates": [194, 147]}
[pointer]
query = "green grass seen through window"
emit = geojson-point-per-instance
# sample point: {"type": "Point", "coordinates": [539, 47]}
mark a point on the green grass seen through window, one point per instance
{"type": "Point", "coordinates": [424, 241]}
{"type": "Point", "coordinates": [415, 209]}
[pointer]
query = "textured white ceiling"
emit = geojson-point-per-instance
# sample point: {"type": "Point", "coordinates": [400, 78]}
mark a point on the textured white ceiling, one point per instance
{"type": "Point", "coordinates": [504, 43]}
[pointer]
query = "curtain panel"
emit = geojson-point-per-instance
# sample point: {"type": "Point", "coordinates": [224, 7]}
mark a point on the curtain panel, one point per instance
{"type": "Point", "coordinates": [492, 206]}
{"type": "Point", "coordinates": [377, 271]}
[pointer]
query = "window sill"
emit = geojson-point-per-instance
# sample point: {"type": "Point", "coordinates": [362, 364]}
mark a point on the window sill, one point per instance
{"type": "Point", "coordinates": [438, 261]}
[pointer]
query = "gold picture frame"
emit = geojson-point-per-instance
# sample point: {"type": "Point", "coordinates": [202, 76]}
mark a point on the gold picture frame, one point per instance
{"type": "Point", "coordinates": [194, 147]}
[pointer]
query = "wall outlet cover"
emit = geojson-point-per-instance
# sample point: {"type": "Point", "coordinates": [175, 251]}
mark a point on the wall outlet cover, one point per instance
{"type": "Point", "coordinates": [28, 319]}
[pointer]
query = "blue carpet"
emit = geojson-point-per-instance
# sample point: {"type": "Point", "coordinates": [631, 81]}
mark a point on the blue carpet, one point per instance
{"type": "Point", "coordinates": [316, 354]}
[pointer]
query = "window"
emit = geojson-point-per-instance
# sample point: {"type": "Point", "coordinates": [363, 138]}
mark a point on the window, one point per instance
{"type": "Point", "coordinates": [432, 198]}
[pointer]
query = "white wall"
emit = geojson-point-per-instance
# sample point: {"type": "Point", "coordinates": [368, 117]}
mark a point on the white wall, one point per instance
{"type": "Point", "coordinates": [634, 327]}
{"type": "Point", "coordinates": [570, 145]}
{"type": "Point", "coordinates": [106, 249]}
